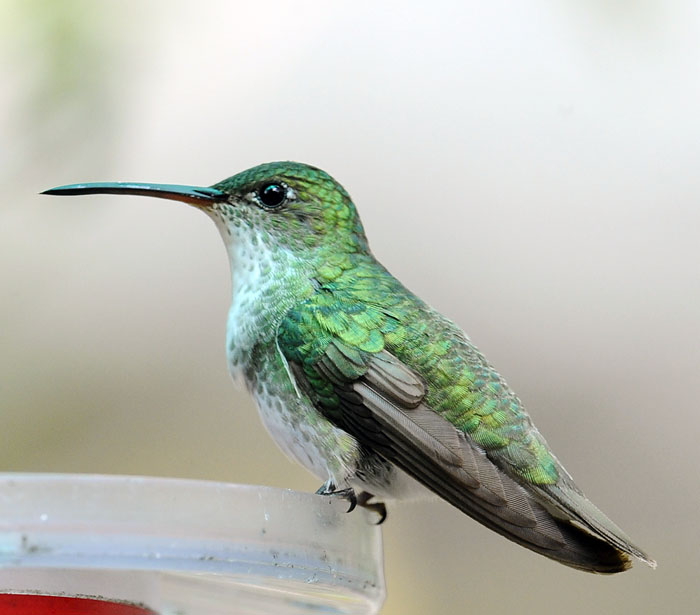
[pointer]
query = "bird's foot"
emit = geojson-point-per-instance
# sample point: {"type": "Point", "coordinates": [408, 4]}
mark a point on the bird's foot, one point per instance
{"type": "Point", "coordinates": [378, 507]}
{"type": "Point", "coordinates": [328, 488]}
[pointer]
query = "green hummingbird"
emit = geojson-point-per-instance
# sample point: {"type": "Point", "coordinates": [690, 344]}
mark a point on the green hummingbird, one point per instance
{"type": "Point", "coordinates": [365, 384]}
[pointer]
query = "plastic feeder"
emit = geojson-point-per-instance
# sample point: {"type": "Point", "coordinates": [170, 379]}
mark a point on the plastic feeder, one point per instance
{"type": "Point", "coordinates": [119, 545]}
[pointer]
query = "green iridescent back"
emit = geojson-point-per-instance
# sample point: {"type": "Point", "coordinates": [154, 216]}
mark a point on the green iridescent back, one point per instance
{"type": "Point", "coordinates": [364, 308]}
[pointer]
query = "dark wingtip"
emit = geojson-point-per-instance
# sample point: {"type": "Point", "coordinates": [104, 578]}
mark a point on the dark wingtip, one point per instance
{"type": "Point", "coordinates": [610, 563]}
{"type": "Point", "coordinates": [588, 552]}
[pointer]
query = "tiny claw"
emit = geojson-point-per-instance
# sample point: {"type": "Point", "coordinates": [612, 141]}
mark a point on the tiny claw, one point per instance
{"type": "Point", "coordinates": [353, 499]}
{"type": "Point", "coordinates": [378, 507]}
{"type": "Point", "coordinates": [329, 489]}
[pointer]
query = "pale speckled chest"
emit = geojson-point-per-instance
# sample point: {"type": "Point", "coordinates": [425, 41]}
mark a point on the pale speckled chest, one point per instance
{"type": "Point", "coordinates": [267, 281]}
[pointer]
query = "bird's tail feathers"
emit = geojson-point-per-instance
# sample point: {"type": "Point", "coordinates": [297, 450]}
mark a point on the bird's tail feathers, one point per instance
{"type": "Point", "coordinates": [568, 502]}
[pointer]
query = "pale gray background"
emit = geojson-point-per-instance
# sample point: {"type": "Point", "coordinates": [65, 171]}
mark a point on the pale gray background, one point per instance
{"type": "Point", "coordinates": [529, 168]}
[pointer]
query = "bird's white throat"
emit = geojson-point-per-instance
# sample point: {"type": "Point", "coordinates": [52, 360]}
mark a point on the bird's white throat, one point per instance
{"type": "Point", "coordinates": [266, 282]}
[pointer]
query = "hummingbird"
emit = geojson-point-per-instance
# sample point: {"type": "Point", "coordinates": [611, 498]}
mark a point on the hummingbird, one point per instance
{"type": "Point", "coordinates": [365, 384]}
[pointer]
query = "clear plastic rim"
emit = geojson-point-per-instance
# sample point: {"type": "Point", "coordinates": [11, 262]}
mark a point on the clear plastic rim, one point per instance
{"type": "Point", "coordinates": [243, 537]}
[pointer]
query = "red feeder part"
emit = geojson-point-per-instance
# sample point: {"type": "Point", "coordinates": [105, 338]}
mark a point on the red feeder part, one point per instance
{"type": "Point", "coordinates": [34, 604]}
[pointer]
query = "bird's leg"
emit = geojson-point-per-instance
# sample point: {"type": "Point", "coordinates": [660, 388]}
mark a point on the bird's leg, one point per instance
{"type": "Point", "coordinates": [326, 488]}
{"type": "Point", "coordinates": [378, 507]}
{"type": "Point", "coordinates": [329, 488]}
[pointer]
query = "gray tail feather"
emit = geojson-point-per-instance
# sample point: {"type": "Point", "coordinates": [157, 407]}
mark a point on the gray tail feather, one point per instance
{"type": "Point", "coordinates": [557, 539]}
{"type": "Point", "coordinates": [554, 531]}
{"type": "Point", "coordinates": [549, 535]}
{"type": "Point", "coordinates": [569, 501]}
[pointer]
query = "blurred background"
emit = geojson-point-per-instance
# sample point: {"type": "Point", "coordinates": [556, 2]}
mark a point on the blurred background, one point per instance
{"type": "Point", "coordinates": [529, 169]}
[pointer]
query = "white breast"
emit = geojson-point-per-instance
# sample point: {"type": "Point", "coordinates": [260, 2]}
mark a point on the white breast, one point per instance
{"type": "Point", "coordinates": [266, 283]}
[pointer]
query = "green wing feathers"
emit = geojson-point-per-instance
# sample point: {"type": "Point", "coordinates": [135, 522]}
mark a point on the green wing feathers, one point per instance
{"type": "Point", "coordinates": [407, 383]}
{"type": "Point", "coordinates": [366, 310]}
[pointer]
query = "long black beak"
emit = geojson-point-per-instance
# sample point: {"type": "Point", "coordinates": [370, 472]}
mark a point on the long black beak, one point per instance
{"type": "Point", "coordinates": [194, 195]}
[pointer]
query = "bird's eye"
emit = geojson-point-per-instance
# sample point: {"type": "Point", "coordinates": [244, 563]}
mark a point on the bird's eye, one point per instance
{"type": "Point", "coordinates": [272, 195]}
